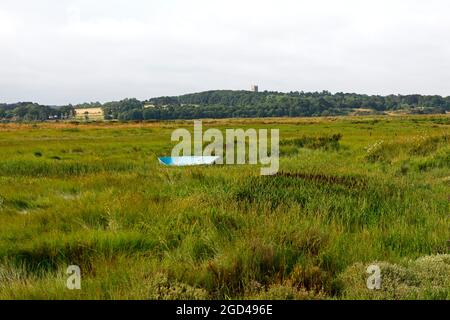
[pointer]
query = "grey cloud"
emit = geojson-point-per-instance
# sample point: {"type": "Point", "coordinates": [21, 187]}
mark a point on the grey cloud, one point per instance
{"type": "Point", "coordinates": [65, 51]}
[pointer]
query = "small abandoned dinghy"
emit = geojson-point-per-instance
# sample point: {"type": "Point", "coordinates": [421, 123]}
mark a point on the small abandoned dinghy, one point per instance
{"type": "Point", "coordinates": [189, 160]}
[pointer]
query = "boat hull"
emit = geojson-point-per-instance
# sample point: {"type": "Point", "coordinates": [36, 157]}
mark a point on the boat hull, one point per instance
{"type": "Point", "coordinates": [188, 160]}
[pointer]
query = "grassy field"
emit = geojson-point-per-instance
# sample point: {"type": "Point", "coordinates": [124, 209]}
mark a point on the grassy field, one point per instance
{"type": "Point", "coordinates": [350, 192]}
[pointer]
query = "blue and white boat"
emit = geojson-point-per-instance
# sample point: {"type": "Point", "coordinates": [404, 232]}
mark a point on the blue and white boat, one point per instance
{"type": "Point", "coordinates": [188, 160]}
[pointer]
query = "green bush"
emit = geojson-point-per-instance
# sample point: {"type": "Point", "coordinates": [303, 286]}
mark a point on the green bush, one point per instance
{"type": "Point", "coordinates": [425, 278]}
{"type": "Point", "coordinates": [161, 288]}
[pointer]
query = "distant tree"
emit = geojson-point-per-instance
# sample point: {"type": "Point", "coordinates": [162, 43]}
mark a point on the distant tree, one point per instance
{"type": "Point", "coordinates": [227, 103]}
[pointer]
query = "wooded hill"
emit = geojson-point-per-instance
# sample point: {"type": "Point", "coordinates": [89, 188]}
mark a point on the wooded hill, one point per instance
{"type": "Point", "coordinates": [234, 104]}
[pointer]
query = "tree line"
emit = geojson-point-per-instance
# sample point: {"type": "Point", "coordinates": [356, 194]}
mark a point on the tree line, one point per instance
{"type": "Point", "coordinates": [233, 104]}
{"type": "Point", "coordinates": [29, 111]}
{"type": "Point", "coordinates": [246, 104]}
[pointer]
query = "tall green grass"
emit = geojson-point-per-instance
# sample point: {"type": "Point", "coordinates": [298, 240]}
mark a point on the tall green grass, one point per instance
{"type": "Point", "coordinates": [350, 192]}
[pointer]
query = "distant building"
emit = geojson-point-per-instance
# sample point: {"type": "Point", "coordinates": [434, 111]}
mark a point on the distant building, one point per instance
{"type": "Point", "coordinates": [254, 88]}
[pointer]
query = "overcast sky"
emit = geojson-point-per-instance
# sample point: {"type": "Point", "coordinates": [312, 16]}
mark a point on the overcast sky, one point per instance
{"type": "Point", "coordinates": [72, 51]}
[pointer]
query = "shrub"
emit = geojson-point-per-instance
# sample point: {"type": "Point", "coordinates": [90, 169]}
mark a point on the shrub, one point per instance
{"type": "Point", "coordinates": [424, 145]}
{"type": "Point", "coordinates": [424, 278]}
{"type": "Point", "coordinates": [161, 288]}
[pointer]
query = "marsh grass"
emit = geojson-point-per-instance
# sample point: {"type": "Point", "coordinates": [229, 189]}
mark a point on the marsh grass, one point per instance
{"type": "Point", "coordinates": [97, 197]}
